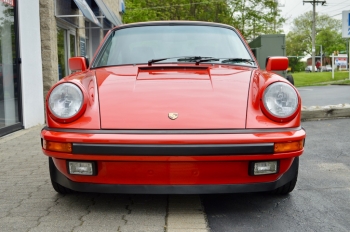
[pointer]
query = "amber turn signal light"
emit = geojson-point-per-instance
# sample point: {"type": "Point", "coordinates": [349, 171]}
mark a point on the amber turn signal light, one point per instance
{"type": "Point", "coordinates": [57, 146]}
{"type": "Point", "coordinates": [289, 146]}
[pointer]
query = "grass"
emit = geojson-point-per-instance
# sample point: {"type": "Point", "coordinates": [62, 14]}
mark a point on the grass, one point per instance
{"type": "Point", "coordinates": [322, 78]}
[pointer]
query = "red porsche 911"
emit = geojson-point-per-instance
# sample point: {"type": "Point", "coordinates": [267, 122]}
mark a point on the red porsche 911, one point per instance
{"type": "Point", "coordinates": [173, 107]}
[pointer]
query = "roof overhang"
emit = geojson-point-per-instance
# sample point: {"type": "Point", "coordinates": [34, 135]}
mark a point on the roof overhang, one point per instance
{"type": "Point", "coordinates": [87, 12]}
{"type": "Point", "coordinates": [109, 14]}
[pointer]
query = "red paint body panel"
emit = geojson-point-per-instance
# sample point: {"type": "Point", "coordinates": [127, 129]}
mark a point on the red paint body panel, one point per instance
{"type": "Point", "coordinates": [173, 172]}
{"type": "Point", "coordinates": [223, 169]}
{"type": "Point", "coordinates": [91, 117]}
{"type": "Point", "coordinates": [255, 116]}
{"type": "Point", "coordinates": [203, 100]}
{"type": "Point", "coordinates": [77, 64]}
{"type": "Point", "coordinates": [263, 137]}
{"type": "Point", "coordinates": [277, 64]}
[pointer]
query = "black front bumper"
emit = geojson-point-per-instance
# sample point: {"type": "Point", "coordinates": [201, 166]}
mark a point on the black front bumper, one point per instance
{"type": "Point", "coordinates": [59, 178]}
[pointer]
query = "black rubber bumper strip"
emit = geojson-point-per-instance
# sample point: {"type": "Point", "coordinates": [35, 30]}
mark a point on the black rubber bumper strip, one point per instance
{"type": "Point", "coordinates": [171, 149]}
{"type": "Point", "coordinates": [59, 178]}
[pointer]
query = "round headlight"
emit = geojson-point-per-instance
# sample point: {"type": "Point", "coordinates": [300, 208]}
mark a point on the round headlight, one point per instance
{"type": "Point", "coordinates": [280, 100]}
{"type": "Point", "coordinates": [65, 100]}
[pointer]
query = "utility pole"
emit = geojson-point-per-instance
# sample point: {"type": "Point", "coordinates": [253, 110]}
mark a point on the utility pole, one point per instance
{"type": "Point", "coordinates": [314, 2]}
{"type": "Point", "coordinates": [321, 56]}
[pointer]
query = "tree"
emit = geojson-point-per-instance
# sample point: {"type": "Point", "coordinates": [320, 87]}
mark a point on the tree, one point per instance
{"type": "Point", "coordinates": [213, 11]}
{"type": "Point", "coordinates": [331, 41]}
{"type": "Point", "coordinates": [256, 17]}
{"type": "Point", "coordinates": [328, 34]}
{"type": "Point", "coordinates": [251, 17]}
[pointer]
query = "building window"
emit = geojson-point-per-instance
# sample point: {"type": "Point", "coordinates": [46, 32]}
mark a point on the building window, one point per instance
{"type": "Point", "coordinates": [66, 48]}
{"type": "Point", "coordinates": [61, 52]}
{"type": "Point", "coordinates": [87, 39]}
{"type": "Point", "coordinates": [72, 46]}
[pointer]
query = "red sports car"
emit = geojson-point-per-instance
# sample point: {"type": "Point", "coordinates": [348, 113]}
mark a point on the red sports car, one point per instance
{"type": "Point", "coordinates": [173, 108]}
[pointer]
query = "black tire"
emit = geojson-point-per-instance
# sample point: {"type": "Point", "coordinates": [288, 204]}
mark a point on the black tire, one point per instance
{"type": "Point", "coordinates": [290, 79]}
{"type": "Point", "coordinates": [288, 187]}
{"type": "Point", "coordinates": [56, 186]}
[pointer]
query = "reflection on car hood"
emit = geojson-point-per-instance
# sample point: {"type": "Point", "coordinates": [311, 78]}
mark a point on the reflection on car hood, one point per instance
{"type": "Point", "coordinates": [202, 97]}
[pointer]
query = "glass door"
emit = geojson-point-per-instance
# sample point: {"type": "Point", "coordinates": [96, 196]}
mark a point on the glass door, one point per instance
{"type": "Point", "coordinates": [10, 119]}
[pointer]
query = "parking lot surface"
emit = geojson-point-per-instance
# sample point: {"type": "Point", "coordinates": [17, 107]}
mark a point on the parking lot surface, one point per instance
{"type": "Point", "coordinates": [320, 201]}
{"type": "Point", "coordinates": [324, 95]}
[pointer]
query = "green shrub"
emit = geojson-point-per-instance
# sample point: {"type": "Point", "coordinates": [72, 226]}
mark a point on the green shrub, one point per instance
{"type": "Point", "coordinates": [322, 78]}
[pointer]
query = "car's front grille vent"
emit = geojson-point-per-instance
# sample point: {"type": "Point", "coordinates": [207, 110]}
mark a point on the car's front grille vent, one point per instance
{"type": "Point", "coordinates": [172, 68]}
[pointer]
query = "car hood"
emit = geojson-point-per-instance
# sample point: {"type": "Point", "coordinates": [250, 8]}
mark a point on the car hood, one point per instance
{"type": "Point", "coordinates": [173, 97]}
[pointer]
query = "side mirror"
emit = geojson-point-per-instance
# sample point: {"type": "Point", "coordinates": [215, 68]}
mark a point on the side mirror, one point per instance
{"type": "Point", "coordinates": [276, 63]}
{"type": "Point", "coordinates": [78, 64]}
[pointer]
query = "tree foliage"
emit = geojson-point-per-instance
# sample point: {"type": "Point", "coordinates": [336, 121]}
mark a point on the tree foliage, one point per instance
{"type": "Point", "coordinates": [328, 34]}
{"type": "Point", "coordinates": [251, 17]}
{"type": "Point", "coordinates": [141, 10]}
{"type": "Point", "coordinates": [256, 17]}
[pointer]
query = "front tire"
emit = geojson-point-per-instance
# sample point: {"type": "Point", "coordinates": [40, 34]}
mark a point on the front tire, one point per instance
{"type": "Point", "coordinates": [288, 187]}
{"type": "Point", "coordinates": [56, 186]}
{"type": "Point", "coordinates": [290, 79]}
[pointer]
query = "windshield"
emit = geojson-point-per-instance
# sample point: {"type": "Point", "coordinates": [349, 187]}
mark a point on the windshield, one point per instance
{"type": "Point", "coordinates": [138, 45]}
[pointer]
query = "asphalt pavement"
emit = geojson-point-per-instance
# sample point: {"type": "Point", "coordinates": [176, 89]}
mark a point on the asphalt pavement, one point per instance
{"type": "Point", "coordinates": [324, 95]}
{"type": "Point", "coordinates": [325, 102]}
{"type": "Point", "coordinates": [319, 202]}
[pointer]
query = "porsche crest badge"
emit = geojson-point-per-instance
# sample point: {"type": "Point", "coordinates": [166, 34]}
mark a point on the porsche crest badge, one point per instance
{"type": "Point", "coordinates": [173, 116]}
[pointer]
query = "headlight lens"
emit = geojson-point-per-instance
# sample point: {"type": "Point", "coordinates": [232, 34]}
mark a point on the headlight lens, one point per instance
{"type": "Point", "coordinates": [65, 100]}
{"type": "Point", "coordinates": [280, 100]}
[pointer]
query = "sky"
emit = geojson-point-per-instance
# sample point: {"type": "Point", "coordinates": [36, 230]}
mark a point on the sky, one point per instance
{"type": "Point", "coordinates": [294, 8]}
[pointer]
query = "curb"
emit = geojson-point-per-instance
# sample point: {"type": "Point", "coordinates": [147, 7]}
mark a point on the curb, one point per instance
{"type": "Point", "coordinates": [325, 112]}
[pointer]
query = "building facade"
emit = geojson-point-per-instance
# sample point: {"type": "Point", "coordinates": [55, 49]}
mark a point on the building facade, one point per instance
{"type": "Point", "coordinates": [37, 38]}
{"type": "Point", "coordinates": [73, 28]}
{"type": "Point", "coordinates": [340, 61]}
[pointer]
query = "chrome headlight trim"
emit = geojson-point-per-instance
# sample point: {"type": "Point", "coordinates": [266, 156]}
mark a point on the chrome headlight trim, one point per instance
{"type": "Point", "coordinates": [280, 100]}
{"type": "Point", "coordinates": [66, 100]}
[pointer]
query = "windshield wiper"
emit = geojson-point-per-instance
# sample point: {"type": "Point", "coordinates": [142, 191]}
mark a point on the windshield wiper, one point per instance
{"type": "Point", "coordinates": [150, 62]}
{"type": "Point", "coordinates": [197, 59]}
{"type": "Point", "coordinates": [238, 60]}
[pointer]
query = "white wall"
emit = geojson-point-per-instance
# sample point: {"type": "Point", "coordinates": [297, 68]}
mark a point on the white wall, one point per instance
{"type": "Point", "coordinates": [31, 67]}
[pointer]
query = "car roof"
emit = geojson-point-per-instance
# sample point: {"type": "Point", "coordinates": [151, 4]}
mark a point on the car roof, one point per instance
{"type": "Point", "coordinates": [174, 23]}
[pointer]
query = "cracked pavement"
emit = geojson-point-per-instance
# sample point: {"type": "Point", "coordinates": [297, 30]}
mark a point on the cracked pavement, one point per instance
{"type": "Point", "coordinates": [29, 203]}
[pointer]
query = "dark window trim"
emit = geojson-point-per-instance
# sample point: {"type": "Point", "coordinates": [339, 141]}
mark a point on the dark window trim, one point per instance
{"type": "Point", "coordinates": [18, 65]}
{"type": "Point", "coordinates": [10, 129]}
